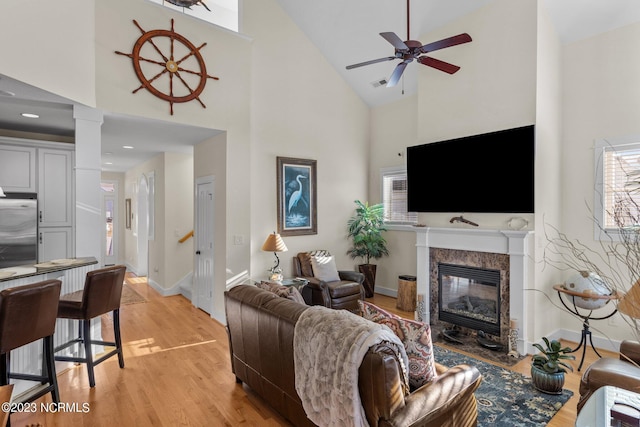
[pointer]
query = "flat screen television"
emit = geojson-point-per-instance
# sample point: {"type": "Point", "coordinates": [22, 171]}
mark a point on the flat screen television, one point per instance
{"type": "Point", "coordinates": [491, 172]}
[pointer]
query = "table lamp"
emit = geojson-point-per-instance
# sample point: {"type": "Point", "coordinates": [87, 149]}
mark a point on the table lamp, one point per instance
{"type": "Point", "coordinates": [275, 244]}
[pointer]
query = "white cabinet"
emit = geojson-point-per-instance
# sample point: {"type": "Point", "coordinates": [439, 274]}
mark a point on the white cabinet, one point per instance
{"type": "Point", "coordinates": [54, 188]}
{"type": "Point", "coordinates": [18, 169]}
{"type": "Point", "coordinates": [45, 168]}
{"type": "Point", "coordinates": [54, 243]}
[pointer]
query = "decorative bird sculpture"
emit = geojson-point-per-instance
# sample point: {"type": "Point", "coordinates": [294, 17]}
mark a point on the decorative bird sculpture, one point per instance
{"type": "Point", "coordinates": [188, 3]}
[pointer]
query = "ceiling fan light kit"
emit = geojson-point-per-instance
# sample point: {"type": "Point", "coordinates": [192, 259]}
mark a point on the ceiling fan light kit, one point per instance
{"type": "Point", "coordinates": [410, 50]}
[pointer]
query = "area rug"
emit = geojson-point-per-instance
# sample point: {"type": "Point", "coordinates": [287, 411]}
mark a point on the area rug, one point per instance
{"type": "Point", "coordinates": [506, 398]}
{"type": "Point", "coordinates": [130, 296]}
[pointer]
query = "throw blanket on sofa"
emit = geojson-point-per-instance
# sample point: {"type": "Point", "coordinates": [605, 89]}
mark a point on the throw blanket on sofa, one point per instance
{"type": "Point", "coordinates": [328, 348]}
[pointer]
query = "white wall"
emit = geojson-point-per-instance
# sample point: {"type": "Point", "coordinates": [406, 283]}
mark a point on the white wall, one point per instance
{"type": "Point", "coordinates": [50, 45]}
{"type": "Point", "coordinates": [495, 88]}
{"type": "Point", "coordinates": [601, 100]}
{"type": "Point", "coordinates": [548, 192]}
{"type": "Point", "coordinates": [301, 108]}
{"type": "Point", "coordinates": [393, 128]}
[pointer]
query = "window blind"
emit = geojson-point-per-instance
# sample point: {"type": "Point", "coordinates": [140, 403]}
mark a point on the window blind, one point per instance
{"type": "Point", "coordinates": [394, 198]}
{"type": "Point", "coordinates": [621, 193]}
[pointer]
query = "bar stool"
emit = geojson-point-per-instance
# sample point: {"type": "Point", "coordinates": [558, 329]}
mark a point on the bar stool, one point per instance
{"type": "Point", "coordinates": [27, 314]}
{"type": "Point", "coordinates": [101, 294]}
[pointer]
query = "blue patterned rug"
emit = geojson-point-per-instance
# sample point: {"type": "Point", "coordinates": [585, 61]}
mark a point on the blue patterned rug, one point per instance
{"type": "Point", "coordinates": [506, 398]}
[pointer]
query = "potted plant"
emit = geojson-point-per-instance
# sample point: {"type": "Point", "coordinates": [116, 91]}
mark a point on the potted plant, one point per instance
{"type": "Point", "coordinates": [548, 369]}
{"type": "Point", "coordinates": [365, 229]}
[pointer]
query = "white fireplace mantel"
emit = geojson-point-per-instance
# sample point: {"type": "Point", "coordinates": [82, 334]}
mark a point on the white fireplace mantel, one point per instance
{"type": "Point", "coordinates": [511, 242]}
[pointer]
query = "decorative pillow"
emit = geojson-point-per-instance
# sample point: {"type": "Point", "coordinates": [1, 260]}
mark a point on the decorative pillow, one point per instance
{"type": "Point", "coordinates": [289, 292]}
{"type": "Point", "coordinates": [324, 268]}
{"type": "Point", "coordinates": [416, 338]}
{"type": "Point", "coordinates": [373, 312]}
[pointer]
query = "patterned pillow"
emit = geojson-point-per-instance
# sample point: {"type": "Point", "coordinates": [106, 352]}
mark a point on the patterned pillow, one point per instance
{"type": "Point", "coordinates": [289, 292]}
{"type": "Point", "coordinates": [416, 338]}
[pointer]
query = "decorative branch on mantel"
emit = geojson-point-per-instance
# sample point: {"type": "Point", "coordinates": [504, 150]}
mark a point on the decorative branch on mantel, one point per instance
{"type": "Point", "coordinates": [462, 219]}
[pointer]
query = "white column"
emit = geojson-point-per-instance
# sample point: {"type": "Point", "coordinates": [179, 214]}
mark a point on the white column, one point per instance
{"type": "Point", "coordinates": [88, 211]}
{"type": "Point", "coordinates": [518, 275]}
{"type": "Point", "coordinates": [423, 275]}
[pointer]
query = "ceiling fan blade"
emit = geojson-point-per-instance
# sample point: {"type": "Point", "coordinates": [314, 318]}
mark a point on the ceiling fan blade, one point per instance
{"type": "Point", "coordinates": [438, 65]}
{"type": "Point", "coordinates": [448, 42]}
{"type": "Point", "coordinates": [395, 40]}
{"type": "Point", "coordinates": [397, 73]}
{"type": "Point", "coordinates": [373, 61]}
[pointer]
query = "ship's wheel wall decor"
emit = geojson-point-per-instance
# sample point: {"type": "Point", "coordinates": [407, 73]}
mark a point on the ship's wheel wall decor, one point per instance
{"type": "Point", "coordinates": [169, 66]}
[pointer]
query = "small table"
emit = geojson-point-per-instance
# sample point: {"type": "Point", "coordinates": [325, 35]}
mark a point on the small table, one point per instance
{"type": "Point", "coordinates": [586, 332]}
{"type": "Point", "coordinates": [295, 282]}
{"type": "Point", "coordinates": [596, 412]}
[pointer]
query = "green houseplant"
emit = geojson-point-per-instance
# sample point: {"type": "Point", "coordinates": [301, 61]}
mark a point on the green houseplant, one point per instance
{"type": "Point", "coordinates": [365, 229]}
{"type": "Point", "coordinates": [548, 367]}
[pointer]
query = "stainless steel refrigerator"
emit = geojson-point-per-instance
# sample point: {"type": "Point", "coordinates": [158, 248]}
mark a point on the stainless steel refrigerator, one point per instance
{"type": "Point", "coordinates": [18, 229]}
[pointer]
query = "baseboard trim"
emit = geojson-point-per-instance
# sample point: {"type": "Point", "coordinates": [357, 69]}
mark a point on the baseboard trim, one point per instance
{"type": "Point", "coordinates": [386, 291]}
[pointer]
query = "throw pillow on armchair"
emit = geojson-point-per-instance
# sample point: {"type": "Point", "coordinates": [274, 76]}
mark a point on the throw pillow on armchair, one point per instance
{"type": "Point", "coordinates": [416, 338]}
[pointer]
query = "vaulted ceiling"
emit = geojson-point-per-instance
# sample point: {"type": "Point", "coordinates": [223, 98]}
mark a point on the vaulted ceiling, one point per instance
{"type": "Point", "coordinates": [345, 32]}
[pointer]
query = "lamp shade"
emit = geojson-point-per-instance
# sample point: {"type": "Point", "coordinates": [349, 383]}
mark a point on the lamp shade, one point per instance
{"type": "Point", "coordinates": [629, 304]}
{"type": "Point", "coordinates": [274, 243]}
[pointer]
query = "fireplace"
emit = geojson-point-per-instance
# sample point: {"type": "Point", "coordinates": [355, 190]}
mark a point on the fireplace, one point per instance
{"type": "Point", "coordinates": [504, 250]}
{"type": "Point", "coordinates": [469, 297]}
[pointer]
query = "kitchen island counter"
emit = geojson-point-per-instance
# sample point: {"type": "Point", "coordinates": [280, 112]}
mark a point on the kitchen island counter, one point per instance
{"type": "Point", "coordinates": [72, 273]}
{"type": "Point", "coordinates": [22, 271]}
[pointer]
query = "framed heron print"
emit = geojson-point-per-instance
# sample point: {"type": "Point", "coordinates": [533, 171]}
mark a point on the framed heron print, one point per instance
{"type": "Point", "coordinates": [296, 181]}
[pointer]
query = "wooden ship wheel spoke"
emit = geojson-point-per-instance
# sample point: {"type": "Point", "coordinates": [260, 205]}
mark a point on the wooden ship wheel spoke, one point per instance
{"type": "Point", "coordinates": [189, 70]}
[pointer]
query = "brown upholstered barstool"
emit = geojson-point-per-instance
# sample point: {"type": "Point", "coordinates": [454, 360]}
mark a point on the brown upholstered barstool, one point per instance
{"type": "Point", "coordinates": [28, 314]}
{"type": "Point", "coordinates": [101, 294]}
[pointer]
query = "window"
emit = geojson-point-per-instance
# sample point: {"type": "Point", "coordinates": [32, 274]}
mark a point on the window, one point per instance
{"type": "Point", "coordinates": [617, 200]}
{"type": "Point", "coordinates": [219, 12]}
{"type": "Point", "coordinates": [394, 197]}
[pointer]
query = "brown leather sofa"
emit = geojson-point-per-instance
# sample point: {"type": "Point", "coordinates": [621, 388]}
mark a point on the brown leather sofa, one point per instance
{"type": "Point", "coordinates": [623, 372]}
{"type": "Point", "coordinates": [340, 294]}
{"type": "Point", "coordinates": [261, 327]}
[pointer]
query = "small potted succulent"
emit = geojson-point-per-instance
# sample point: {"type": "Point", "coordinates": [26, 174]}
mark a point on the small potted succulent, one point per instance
{"type": "Point", "coordinates": [548, 368]}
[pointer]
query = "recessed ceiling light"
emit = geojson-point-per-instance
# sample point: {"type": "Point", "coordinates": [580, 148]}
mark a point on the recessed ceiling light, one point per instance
{"type": "Point", "coordinates": [6, 93]}
{"type": "Point", "coordinates": [30, 115]}
{"type": "Point", "coordinates": [128, 147]}
{"type": "Point", "coordinates": [108, 163]}
{"type": "Point", "coordinates": [108, 153]}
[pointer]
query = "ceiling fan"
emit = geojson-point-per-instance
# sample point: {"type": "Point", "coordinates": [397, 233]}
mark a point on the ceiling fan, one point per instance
{"type": "Point", "coordinates": [409, 50]}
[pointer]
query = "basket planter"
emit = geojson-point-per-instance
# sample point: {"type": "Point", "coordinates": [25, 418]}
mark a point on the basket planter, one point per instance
{"type": "Point", "coordinates": [546, 382]}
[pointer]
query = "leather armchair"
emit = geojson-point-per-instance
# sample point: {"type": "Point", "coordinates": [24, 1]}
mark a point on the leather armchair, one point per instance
{"type": "Point", "coordinates": [340, 294]}
{"type": "Point", "coordinates": [623, 372]}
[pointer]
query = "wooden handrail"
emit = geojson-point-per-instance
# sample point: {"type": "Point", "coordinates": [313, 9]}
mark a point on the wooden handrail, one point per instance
{"type": "Point", "coordinates": [186, 236]}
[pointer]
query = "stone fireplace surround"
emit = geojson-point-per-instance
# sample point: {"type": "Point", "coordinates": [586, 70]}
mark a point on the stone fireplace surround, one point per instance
{"type": "Point", "coordinates": [510, 242]}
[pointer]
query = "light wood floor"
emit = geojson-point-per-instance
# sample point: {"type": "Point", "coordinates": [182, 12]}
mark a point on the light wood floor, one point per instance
{"type": "Point", "coordinates": [178, 373]}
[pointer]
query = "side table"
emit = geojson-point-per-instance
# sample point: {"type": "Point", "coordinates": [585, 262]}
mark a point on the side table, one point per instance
{"type": "Point", "coordinates": [597, 411]}
{"type": "Point", "coordinates": [298, 283]}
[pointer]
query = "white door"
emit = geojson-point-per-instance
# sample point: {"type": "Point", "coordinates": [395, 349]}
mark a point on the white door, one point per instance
{"type": "Point", "coordinates": [143, 227]}
{"type": "Point", "coordinates": [203, 269]}
{"type": "Point", "coordinates": [110, 217]}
